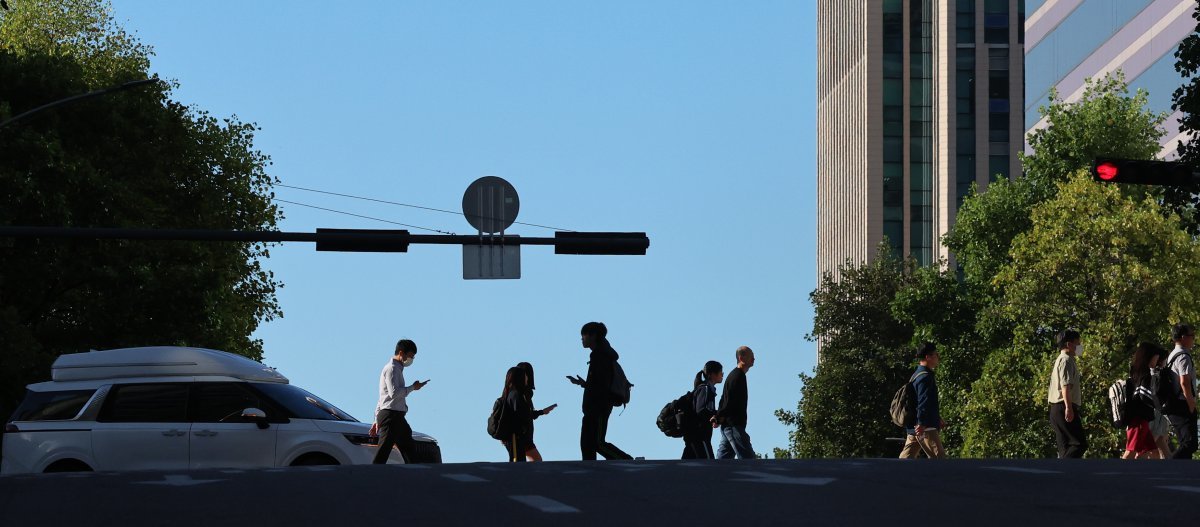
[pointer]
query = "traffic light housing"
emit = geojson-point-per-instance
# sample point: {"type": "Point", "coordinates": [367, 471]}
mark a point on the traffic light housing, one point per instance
{"type": "Point", "coordinates": [1142, 172]}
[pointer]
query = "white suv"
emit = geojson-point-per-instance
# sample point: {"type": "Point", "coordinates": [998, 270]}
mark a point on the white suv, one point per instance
{"type": "Point", "coordinates": [172, 408]}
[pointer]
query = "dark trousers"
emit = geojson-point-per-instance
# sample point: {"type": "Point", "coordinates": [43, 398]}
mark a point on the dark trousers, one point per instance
{"type": "Point", "coordinates": [591, 437]}
{"type": "Point", "coordinates": [393, 431]}
{"type": "Point", "coordinates": [1184, 427]}
{"type": "Point", "coordinates": [516, 445]}
{"type": "Point", "coordinates": [1072, 442]}
{"type": "Point", "coordinates": [698, 445]}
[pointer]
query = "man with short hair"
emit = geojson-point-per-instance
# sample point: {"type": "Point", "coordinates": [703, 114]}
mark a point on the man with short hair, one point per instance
{"type": "Point", "coordinates": [732, 413]}
{"type": "Point", "coordinates": [925, 435]}
{"type": "Point", "coordinates": [1181, 410]}
{"type": "Point", "coordinates": [597, 394]}
{"type": "Point", "coordinates": [390, 422]}
{"type": "Point", "coordinates": [1064, 397]}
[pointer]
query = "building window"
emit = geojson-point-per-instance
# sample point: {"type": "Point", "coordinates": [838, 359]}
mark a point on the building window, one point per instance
{"type": "Point", "coordinates": [997, 167]}
{"type": "Point", "coordinates": [965, 22]}
{"type": "Point", "coordinates": [920, 103]}
{"type": "Point", "coordinates": [995, 21]}
{"type": "Point", "coordinates": [998, 127]}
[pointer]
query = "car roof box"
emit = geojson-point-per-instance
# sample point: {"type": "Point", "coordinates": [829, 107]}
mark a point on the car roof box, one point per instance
{"type": "Point", "coordinates": [159, 361]}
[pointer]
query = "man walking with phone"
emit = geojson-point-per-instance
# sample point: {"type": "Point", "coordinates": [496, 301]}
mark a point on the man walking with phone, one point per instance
{"type": "Point", "coordinates": [390, 423]}
{"type": "Point", "coordinates": [597, 394]}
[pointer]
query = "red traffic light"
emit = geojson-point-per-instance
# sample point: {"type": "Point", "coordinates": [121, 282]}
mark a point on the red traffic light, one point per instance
{"type": "Point", "coordinates": [1106, 171]}
{"type": "Point", "coordinates": [1144, 172]}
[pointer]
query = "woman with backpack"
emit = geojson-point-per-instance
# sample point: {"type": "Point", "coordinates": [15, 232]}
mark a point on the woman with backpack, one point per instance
{"type": "Point", "coordinates": [697, 435]}
{"type": "Point", "coordinates": [517, 421]}
{"type": "Point", "coordinates": [531, 450]}
{"type": "Point", "coordinates": [1142, 397]}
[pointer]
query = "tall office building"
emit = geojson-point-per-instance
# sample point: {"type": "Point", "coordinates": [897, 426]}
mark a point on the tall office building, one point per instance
{"type": "Point", "coordinates": [918, 100]}
{"type": "Point", "coordinates": [1068, 41]}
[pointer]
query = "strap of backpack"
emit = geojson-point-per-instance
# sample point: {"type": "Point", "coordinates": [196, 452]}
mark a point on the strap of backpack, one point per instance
{"type": "Point", "coordinates": [1174, 357]}
{"type": "Point", "coordinates": [916, 375]}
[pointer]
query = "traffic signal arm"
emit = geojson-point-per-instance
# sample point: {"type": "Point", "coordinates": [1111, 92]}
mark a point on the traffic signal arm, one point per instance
{"type": "Point", "coordinates": [1143, 172]}
{"type": "Point", "coordinates": [352, 240]}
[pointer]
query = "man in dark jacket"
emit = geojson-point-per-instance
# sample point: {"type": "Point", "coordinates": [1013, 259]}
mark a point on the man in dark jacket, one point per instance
{"type": "Point", "coordinates": [732, 414]}
{"type": "Point", "coordinates": [925, 435]}
{"type": "Point", "coordinates": [597, 394]}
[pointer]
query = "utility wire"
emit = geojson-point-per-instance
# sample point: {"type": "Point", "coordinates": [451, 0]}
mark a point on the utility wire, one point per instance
{"type": "Point", "coordinates": [361, 216]}
{"type": "Point", "coordinates": [413, 206]}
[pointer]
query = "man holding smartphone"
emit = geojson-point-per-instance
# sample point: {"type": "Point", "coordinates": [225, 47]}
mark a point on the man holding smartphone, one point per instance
{"type": "Point", "coordinates": [390, 423]}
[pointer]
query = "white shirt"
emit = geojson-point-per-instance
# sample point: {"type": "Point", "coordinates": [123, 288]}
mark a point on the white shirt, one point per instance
{"type": "Point", "coordinates": [392, 391]}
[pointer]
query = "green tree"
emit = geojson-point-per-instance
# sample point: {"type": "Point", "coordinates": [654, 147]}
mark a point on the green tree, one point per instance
{"type": "Point", "coordinates": [868, 324]}
{"type": "Point", "coordinates": [1114, 267]}
{"type": "Point", "coordinates": [1186, 199]}
{"type": "Point", "coordinates": [843, 406]}
{"type": "Point", "coordinates": [129, 159]}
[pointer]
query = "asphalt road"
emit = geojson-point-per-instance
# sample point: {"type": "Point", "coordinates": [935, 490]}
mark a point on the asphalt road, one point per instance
{"type": "Point", "coordinates": [622, 494]}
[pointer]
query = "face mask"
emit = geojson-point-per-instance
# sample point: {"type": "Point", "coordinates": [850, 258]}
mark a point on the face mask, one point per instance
{"type": "Point", "coordinates": [1079, 350]}
{"type": "Point", "coordinates": [408, 362]}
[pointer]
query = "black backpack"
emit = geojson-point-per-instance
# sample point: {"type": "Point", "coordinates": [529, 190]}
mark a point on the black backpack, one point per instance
{"type": "Point", "coordinates": [621, 386]}
{"type": "Point", "coordinates": [1170, 394]}
{"type": "Point", "coordinates": [677, 416]}
{"type": "Point", "coordinates": [904, 404]}
{"type": "Point", "coordinates": [497, 427]}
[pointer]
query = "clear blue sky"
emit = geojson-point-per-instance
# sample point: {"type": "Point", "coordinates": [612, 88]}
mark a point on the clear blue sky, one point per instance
{"type": "Point", "coordinates": [691, 121]}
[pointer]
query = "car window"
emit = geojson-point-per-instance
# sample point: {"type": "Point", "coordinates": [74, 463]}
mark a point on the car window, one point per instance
{"type": "Point", "coordinates": [302, 404]}
{"type": "Point", "coordinates": [146, 403]}
{"type": "Point", "coordinates": [223, 402]}
{"type": "Point", "coordinates": [51, 406]}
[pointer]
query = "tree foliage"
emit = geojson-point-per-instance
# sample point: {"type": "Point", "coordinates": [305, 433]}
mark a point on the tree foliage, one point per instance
{"type": "Point", "coordinates": [868, 324]}
{"type": "Point", "coordinates": [1113, 267]}
{"type": "Point", "coordinates": [134, 158]}
{"type": "Point", "coordinates": [1186, 199]}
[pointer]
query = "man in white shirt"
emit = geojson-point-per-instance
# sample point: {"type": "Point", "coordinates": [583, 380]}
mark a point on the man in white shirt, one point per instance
{"type": "Point", "coordinates": [390, 423]}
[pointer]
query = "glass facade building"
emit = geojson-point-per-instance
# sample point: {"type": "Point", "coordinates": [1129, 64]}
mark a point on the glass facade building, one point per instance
{"type": "Point", "coordinates": [1069, 41]}
{"type": "Point", "coordinates": [915, 109]}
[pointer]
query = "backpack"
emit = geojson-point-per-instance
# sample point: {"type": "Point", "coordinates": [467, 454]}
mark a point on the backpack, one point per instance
{"type": "Point", "coordinates": [497, 427]}
{"type": "Point", "coordinates": [676, 416]}
{"type": "Point", "coordinates": [620, 386]}
{"type": "Point", "coordinates": [904, 403]}
{"type": "Point", "coordinates": [1118, 398]}
{"type": "Point", "coordinates": [1171, 395]}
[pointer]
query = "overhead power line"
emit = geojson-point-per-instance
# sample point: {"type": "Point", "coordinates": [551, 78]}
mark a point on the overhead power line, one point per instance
{"type": "Point", "coordinates": [411, 206]}
{"type": "Point", "coordinates": [361, 216]}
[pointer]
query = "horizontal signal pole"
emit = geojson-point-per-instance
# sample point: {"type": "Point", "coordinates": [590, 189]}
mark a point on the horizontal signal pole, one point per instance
{"type": "Point", "coordinates": [352, 240]}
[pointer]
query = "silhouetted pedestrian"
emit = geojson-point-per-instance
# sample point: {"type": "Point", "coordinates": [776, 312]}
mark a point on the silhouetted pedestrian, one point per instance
{"type": "Point", "coordinates": [531, 450]}
{"type": "Point", "coordinates": [598, 395]}
{"type": "Point", "coordinates": [518, 414]}
{"type": "Point", "coordinates": [732, 413]}
{"type": "Point", "coordinates": [697, 435]}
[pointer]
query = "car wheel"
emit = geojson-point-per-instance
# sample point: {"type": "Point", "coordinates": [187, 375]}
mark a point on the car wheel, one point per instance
{"type": "Point", "coordinates": [68, 465]}
{"type": "Point", "coordinates": [314, 459]}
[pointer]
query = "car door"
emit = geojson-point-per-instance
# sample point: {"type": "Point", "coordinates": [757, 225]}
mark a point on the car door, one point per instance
{"type": "Point", "coordinates": [220, 437]}
{"type": "Point", "coordinates": [142, 427]}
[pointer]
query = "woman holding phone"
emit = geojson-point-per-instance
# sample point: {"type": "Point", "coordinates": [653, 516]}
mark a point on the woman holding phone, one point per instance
{"type": "Point", "coordinates": [531, 451]}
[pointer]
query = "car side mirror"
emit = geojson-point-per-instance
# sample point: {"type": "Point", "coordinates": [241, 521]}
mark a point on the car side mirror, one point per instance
{"type": "Point", "coordinates": [256, 416]}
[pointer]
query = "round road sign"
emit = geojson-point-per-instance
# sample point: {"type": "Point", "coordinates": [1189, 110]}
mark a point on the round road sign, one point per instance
{"type": "Point", "coordinates": [491, 204]}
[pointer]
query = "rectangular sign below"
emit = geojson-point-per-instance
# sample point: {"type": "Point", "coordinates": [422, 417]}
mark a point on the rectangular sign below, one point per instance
{"type": "Point", "coordinates": [492, 262]}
